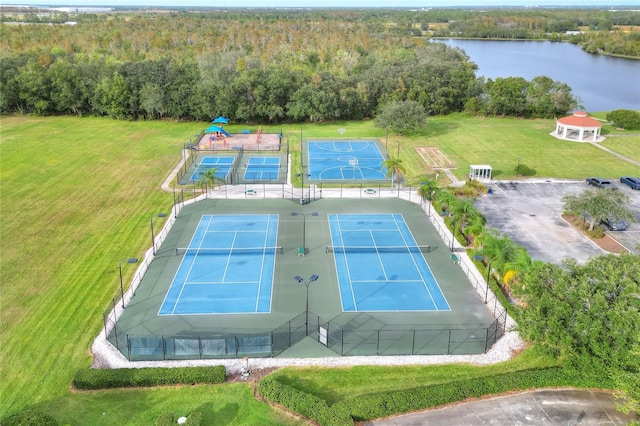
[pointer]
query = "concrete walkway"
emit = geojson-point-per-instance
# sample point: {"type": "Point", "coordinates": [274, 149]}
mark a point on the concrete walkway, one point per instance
{"type": "Point", "coordinates": [597, 145]}
{"type": "Point", "coordinates": [540, 407]}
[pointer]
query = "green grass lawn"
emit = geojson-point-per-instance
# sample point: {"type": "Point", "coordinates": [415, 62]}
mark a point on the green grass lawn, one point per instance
{"type": "Point", "coordinates": [77, 196]}
{"type": "Point", "coordinates": [228, 404]}
{"type": "Point", "coordinates": [336, 384]}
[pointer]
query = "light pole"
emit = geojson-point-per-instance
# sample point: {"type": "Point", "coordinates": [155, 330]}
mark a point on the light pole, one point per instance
{"type": "Point", "coordinates": [299, 279]}
{"type": "Point", "coordinates": [301, 168]}
{"type": "Point", "coordinates": [304, 227]}
{"type": "Point", "coordinates": [129, 260]}
{"type": "Point", "coordinates": [453, 232]}
{"type": "Point", "coordinates": [518, 168]}
{"type": "Point", "coordinates": [153, 237]}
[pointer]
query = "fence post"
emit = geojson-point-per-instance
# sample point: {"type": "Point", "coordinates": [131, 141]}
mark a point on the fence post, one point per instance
{"type": "Point", "coordinates": [413, 343]}
{"type": "Point", "coordinates": [486, 338]}
{"type": "Point", "coordinates": [164, 347]}
{"type": "Point", "coordinates": [128, 347]}
{"type": "Point", "coordinates": [115, 327]}
{"type": "Point", "coordinates": [272, 340]}
{"type": "Point", "coordinates": [104, 320]}
{"type": "Point", "coordinates": [378, 343]}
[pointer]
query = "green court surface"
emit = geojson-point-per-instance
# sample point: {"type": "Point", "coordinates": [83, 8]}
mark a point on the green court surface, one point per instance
{"type": "Point", "coordinates": [140, 325]}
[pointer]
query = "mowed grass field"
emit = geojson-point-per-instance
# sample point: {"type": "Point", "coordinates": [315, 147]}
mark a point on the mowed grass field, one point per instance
{"type": "Point", "coordinates": [77, 195]}
{"type": "Point", "coordinates": [498, 142]}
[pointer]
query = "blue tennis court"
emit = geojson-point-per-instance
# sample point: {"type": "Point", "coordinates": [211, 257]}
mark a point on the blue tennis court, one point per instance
{"type": "Point", "coordinates": [223, 164]}
{"type": "Point", "coordinates": [380, 267]}
{"type": "Point", "coordinates": [262, 169]}
{"type": "Point", "coordinates": [227, 268]}
{"type": "Point", "coordinates": [345, 160]}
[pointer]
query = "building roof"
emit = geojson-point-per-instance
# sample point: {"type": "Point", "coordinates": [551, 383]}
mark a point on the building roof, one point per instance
{"type": "Point", "coordinates": [580, 119]}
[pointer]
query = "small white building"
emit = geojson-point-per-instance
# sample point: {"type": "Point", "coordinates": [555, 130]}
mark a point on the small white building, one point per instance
{"type": "Point", "coordinates": [480, 172]}
{"type": "Point", "coordinates": [578, 127]}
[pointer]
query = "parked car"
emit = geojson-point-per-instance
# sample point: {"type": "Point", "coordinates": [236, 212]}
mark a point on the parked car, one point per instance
{"type": "Point", "coordinates": [614, 225]}
{"type": "Point", "coordinates": [633, 182]}
{"type": "Point", "coordinates": [600, 182]}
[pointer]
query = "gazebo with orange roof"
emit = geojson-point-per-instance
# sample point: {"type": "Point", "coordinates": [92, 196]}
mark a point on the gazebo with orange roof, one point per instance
{"type": "Point", "coordinates": [578, 127]}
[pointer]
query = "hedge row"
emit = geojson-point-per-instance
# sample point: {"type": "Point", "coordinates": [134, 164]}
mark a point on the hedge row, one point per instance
{"type": "Point", "coordinates": [29, 417]}
{"type": "Point", "coordinates": [373, 406]}
{"type": "Point", "coordinates": [135, 377]}
{"type": "Point", "coordinates": [384, 404]}
{"type": "Point", "coordinates": [303, 403]}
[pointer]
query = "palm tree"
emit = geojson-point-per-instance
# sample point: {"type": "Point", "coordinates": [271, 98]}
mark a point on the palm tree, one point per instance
{"type": "Point", "coordinates": [444, 199]}
{"type": "Point", "coordinates": [503, 256]}
{"type": "Point", "coordinates": [394, 167]}
{"type": "Point", "coordinates": [427, 190]}
{"type": "Point", "coordinates": [475, 227]}
{"type": "Point", "coordinates": [519, 262]}
{"type": "Point", "coordinates": [208, 178]}
{"type": "Point", "coordinates": [461, 211]}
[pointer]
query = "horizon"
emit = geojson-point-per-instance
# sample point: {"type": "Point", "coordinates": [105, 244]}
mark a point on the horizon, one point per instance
{"type": "Point", "coordinates": [330, 4]}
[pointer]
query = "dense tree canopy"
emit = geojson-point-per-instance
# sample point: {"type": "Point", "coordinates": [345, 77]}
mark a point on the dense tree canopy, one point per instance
{"type": "Point", "coordinates": [265, 67]}
{"type": "Point", "coordinates": [401, 116]}
{"type": "Point", "coordinates": [587, 314]}
{"type": "Point", "coordinates": [600, 205]}
{"type": "Point", "coordinates": [625, 118]}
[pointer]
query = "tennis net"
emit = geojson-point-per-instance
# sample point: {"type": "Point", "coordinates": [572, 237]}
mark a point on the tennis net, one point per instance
{"type": "Point", "coordinates": [228, 251]}
{"type": "Point", "coordinates": [263, 167]}
{"type": "Point", "coordinates": [378, 249]}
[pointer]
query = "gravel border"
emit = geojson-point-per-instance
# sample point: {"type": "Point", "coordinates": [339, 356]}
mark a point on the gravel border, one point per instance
{"type": "Point", "coordinates": [510, 344]}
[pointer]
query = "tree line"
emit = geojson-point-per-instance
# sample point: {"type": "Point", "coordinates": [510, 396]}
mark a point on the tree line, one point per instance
{"type": "Point", "coordinates": [268, 71]}
{"type": "Point", "coordinates": [585, 315]}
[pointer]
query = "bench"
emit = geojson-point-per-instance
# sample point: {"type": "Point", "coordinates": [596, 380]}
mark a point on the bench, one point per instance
{"type": "Point", "coordinates": [250, 192]}
{"type": "Point", "coordinates": [369, 191]}
{"type": "Point", "coordinates": [454, 258]}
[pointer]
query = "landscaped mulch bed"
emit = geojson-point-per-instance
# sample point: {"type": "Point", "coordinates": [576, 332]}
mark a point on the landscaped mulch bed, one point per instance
{"type": "Point", "coordinates": [606, 243]}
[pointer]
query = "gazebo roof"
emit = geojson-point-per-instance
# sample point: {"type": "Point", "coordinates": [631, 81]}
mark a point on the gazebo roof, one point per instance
{"type": "Point", "coordinates": [579, 119]}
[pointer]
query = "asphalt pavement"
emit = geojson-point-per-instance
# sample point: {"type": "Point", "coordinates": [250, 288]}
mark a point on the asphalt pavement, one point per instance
{"type": "Point", "coordinates": [566, 407]}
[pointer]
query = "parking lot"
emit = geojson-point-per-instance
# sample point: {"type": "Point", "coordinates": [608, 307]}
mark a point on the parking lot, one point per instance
{"type": "Point", "coordinates": [529, 212]}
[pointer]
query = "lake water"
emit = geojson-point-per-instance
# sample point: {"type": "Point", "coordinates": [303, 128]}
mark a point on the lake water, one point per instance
{"type": "Point", "coordinates": [603, 83]}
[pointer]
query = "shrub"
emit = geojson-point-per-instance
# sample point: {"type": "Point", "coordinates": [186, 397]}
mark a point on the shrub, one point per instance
{"type": "Point", "coordinates": [30, 418]}
{"type": "Point", "coordinates": [303, 403]}
{"type": "Point", "coordinates": [165, 419]}
{"type": "Point", "coordinates": [596, 232]}
{"type": "Point", "coordinates": [135, 377]}
{"type": "Point", "coordinates": [625, 118]}
{"type": "Point", "coordinates": [373, 406]}
{"type": "Point", "coordinates": [194, 419]}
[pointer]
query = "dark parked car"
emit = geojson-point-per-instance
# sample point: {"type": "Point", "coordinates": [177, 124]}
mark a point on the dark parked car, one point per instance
{"type": "Point", "coordinates": [600, 182]}
{"type": "Point", "coordinates": [633, 182]}
{"type": "Point", "coordinates": [614, 225]}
